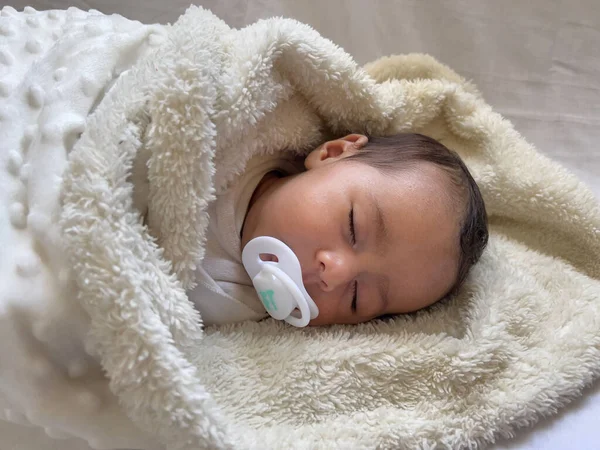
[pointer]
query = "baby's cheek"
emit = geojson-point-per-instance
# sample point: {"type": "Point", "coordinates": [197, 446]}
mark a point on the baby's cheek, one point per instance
{"type": "Point", "coordinates": [329, 312]}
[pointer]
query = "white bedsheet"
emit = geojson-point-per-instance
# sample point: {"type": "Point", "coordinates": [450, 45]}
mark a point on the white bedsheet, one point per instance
{"type": "Point", "coordinates": [536, 62]}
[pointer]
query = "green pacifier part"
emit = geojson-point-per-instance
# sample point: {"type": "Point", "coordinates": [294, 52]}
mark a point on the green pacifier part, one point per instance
{"type": "Point", "coordinates": [267, 299]}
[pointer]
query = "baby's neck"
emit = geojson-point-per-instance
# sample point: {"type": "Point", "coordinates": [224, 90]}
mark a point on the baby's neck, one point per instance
{"type": "Point", "coordinates": [266, 184]}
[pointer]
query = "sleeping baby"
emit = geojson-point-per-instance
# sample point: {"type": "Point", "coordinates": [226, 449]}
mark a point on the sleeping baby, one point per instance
{"type": "Point", "coordinates": [379, 226]}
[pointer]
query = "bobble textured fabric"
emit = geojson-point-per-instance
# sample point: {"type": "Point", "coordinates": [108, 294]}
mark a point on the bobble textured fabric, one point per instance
{"type": "Point", "coordinates": [84, 280]}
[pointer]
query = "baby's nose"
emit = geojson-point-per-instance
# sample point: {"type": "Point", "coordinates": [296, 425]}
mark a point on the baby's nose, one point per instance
{"type": "Point", "coordinates": [334, 271]}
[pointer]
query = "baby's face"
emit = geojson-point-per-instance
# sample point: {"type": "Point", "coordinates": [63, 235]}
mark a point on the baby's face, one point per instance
{"type": "Point", "coordinates": [368, 243]}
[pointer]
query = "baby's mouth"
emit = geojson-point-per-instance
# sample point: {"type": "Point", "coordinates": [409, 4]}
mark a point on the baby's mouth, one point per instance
{"type": "Point", "coordinates": [309, 278]}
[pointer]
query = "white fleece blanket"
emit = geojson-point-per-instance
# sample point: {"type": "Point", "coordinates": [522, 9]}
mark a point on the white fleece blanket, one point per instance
{"type": "Point", "coordinates": [84, 281]}
{"type": "Point", "coordinates": [55, 68]}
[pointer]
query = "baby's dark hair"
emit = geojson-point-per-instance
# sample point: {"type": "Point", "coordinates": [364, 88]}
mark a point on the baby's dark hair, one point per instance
{"type": "Point", "coordinates": [403, 151]}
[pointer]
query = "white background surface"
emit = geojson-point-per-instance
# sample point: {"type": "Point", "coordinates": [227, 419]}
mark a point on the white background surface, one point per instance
{"type": "Point", "coordinates": [537, 62]}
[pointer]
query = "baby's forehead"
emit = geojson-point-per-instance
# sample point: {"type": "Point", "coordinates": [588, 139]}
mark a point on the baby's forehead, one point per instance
{"type": "Point", "coordinates": [432, 193]}
{"type": "Point", "coordinates": [427, 176]}
{"type": "Point", "coordinates": [440, 187]}
{"type": "Point", "coordinates": [445, 184]}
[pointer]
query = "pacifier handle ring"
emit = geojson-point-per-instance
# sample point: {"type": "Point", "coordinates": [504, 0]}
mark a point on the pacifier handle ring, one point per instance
{"type": "Point", "coordinates": [302, 305]}
{"type": "Point", "coordinates": [292, 288]}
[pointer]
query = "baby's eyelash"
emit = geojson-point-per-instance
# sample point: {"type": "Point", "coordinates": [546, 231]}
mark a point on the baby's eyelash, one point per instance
{"type": "Point", "coordinates": [353, 242]}
{"type": "Point", "coordinates": [351, 223]}
{"type": "Point", "coordinates": [354, 296]}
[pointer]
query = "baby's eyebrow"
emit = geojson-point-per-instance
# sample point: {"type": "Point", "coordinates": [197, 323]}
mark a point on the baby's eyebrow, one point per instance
{"type": "Point", "coordinates": [381, 231]}
{"type": "Point", "coordinates": [383, 285]}
{"type": "Point", "coordinates": [382, 243]}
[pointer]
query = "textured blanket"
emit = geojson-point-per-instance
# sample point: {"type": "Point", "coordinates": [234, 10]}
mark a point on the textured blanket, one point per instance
{"type": "Point", "coordinates": [103, 119]}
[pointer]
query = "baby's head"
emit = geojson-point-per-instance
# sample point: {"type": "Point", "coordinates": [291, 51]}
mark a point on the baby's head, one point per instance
{"type": "Point", "coordinates": [381, 226]}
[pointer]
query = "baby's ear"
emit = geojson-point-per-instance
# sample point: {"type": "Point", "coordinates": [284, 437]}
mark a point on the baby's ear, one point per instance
{"type": "Point", "coordinates": [359, 140]}
{"type": "Point", "coordinates": [332, 151]}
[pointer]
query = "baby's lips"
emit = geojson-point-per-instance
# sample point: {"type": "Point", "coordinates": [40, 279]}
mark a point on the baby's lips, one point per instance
{"type": "Point", "coordinates": [309, 277]}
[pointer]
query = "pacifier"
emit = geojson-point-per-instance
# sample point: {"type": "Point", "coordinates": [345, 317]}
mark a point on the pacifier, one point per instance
{"type": "Point", "coordinates": [279, 283]}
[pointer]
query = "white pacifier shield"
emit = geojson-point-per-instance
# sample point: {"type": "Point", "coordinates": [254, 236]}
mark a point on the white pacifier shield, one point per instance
{"type": "Point", "coordinates": [279, 284]}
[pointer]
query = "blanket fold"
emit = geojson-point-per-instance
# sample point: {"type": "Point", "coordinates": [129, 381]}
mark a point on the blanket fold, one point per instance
{"type": "Point", "coordinates": [191, 103]}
